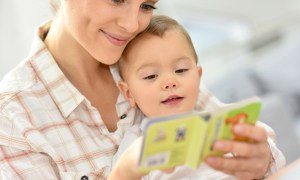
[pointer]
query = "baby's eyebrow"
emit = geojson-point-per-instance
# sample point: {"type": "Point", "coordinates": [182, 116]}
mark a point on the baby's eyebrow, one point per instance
{"type": "Point", "coordinates": [156, 64]}
{"type": "Point", "coordinates": [146, 65]}
{"type": "Point", "coordinates": [183, 59]}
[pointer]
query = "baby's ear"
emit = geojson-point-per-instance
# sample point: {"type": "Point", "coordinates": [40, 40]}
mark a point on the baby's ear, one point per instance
{"type": "Point", "coordinates": [199, 71]}
{"type": "Point", "coordinates": [126, 93]}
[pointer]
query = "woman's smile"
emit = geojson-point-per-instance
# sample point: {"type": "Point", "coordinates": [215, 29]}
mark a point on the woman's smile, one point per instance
{"type": "Point", "coordinates": [116, 39]}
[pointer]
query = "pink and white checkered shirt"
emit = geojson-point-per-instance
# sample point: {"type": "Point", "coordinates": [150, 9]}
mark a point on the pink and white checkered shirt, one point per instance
{"type": "Point", "coordinates": [49, 130]}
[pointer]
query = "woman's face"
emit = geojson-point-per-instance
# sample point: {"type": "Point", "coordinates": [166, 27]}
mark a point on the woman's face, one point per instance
{"type": "Point", "coordinates": [104, 27]}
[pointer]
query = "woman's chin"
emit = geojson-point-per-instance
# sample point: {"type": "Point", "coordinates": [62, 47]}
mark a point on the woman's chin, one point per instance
{"type": "Point", "coordinates": [108, 60]}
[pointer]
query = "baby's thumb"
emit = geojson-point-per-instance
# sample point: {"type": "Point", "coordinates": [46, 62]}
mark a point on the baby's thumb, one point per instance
{"type": "Point", "coordinates": [168, 170]}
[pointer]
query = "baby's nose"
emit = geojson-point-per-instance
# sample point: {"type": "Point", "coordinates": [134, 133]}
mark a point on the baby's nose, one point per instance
{"type": "Point", "coordinates": [170, 84]}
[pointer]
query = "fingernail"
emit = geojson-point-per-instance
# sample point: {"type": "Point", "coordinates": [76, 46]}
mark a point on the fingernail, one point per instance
{"type": "Point", "coordinates": [212, 160]}
{"type": "Point", "coordinates": [238, 129]}
{"type": "Point", "coordinates": [219, 146]}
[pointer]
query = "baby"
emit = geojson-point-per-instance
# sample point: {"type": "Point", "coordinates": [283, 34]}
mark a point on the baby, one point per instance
{"type": "Point", "coordinates": [160, 76]}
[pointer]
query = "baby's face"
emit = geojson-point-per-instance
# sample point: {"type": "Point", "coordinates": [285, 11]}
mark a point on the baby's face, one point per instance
{"type": "Point", "coordinates": [162, 77]}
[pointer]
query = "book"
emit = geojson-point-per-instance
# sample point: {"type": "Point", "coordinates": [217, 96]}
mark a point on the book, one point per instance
{"type": "Point", "coordinates": [187, 138]}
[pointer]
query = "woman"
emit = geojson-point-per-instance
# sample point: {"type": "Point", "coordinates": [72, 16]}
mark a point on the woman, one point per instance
{"type": "Point", "coordinates": [61, 113]}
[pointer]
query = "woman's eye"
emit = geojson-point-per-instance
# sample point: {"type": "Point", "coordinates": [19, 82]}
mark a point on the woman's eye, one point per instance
{"type": "Point", "coordinates": [153, 76]}
{"type": "Point", "coordinates": [118, 1]}
{"type": "Point", "coordinates": [181, 70]}
{"type": "Point", "coordinates": [148, 7]}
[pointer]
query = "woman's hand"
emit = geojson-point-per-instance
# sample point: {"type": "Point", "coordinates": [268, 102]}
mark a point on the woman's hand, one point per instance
{"type": "Point", "coordinates": [251, 160]}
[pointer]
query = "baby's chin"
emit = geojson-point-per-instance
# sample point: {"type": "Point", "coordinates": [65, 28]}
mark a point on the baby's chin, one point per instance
{"type": "Point", "coordinates": [168, 113]}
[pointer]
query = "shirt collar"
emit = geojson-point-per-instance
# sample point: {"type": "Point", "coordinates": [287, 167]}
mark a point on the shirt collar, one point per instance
{"type": "Point", "coordinates": [62, 91]}
{"type": "Point", "coordinates": [122, 105]}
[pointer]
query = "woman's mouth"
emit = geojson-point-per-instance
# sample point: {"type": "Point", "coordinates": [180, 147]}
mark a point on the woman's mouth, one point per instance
{"type": "Point", "coordinates": [115, 39]}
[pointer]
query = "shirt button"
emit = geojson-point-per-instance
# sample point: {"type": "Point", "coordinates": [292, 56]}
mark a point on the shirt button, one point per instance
{"type": "Point", "coordinates": [123, 116]}
{"type": "Point", "coordinates": [84, 178]}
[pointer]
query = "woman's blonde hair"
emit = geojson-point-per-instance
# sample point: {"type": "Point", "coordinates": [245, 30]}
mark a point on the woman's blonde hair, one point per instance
{"type": "Point", "coordinates": [55, 4]}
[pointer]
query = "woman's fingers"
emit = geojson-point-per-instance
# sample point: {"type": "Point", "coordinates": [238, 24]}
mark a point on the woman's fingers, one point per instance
{"type": "Point", "coordinates": [253, 132]}
{"type": "Point", "coordinates": [252, 158]}
{"type": "Point", "coordinates": [241, 149]}
{"type": "Point", "coordinates": [234, 164]}
{"type": "Point", "coordinates": [243, 168]}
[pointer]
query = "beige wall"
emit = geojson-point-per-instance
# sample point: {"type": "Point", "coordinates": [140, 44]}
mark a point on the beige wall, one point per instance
{"type": "Point", "coordinates": [256, 12]}
{"type": "Point", "coordinates": [18, 20]}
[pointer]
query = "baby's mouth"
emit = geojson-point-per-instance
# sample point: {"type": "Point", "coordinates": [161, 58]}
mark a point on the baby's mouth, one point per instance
{"type": "Point", "coordinates": [172, 99]}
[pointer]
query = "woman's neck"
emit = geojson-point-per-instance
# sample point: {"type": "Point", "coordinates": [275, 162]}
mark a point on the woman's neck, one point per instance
{"type": "Point", "coordinates": [75, 62]}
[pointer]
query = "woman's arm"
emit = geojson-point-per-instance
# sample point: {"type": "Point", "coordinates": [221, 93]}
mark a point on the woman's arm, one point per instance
{"type": "Point", "coordinates": [19, 160]}
{"type": "Point", "coordinates": [20, 164]}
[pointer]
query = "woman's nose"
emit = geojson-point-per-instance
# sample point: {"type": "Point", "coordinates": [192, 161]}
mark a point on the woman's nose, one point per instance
{"type": "Point", "coordinates": [129, 21]}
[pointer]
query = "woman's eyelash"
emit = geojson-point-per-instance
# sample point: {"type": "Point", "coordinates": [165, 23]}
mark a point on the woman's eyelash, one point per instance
{"type": "Point", "coordinates": [143, 6]}
{"type": "Point", "coordinates": [148, 7]}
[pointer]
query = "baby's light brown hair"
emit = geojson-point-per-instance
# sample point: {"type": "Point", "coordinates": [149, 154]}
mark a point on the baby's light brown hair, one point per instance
{"type": "Point", "coordinates": [159, 24]}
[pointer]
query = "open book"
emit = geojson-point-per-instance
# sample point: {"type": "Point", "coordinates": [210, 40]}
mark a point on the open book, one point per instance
{"type": "Point", "coordinates": [187, 138]}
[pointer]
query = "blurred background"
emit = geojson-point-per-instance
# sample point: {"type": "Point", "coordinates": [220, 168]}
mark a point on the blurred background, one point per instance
{"type": "Point", "coordinates": [246, 48]}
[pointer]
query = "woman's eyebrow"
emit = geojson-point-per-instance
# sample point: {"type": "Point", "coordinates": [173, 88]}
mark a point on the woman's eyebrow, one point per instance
{"type": "Point", "coordinates": [154, 1]}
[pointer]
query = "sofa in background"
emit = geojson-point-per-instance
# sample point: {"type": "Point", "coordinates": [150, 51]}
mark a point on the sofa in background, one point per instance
{"type": "Point", "coordinates": [275, 78]}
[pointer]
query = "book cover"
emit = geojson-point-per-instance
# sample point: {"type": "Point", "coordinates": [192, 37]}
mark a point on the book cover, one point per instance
{"type": "Point", "coordinates": [187, 138]}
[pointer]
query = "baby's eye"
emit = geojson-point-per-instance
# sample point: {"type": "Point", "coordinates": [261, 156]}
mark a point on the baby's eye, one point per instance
{"type": "Point", "coordinates": [148, 7]}
{"type": "Point", "coordinates": [118, 1]}
{"type": "Point", "coordinates": [181, 70]}
{"type": "Point", "coordinates": [153, 76]}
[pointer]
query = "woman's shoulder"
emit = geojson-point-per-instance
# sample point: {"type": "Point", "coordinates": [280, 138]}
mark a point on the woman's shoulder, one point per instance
{"type": "Point", "coordinates": [17, 80]}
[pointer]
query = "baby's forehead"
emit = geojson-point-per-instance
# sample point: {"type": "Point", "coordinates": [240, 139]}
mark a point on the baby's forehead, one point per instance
{"type": "Point", "coordinates": [143, 37]}
{"type": "Point", "coordinates": [136, 43]}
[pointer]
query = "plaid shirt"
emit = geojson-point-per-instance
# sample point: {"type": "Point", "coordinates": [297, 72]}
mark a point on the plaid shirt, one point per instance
{"type": "Point", "coordinates": [49, 130]}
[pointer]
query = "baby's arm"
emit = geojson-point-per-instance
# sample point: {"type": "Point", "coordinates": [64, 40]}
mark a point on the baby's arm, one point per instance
{"type": "Point", "coordinates": [126, 166]}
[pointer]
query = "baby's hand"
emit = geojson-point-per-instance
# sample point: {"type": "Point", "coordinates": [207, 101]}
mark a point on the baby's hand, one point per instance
{"type": "Point", "coordinates": [126, 166]}
{"type": "Point", "coordinates": [252, 158]}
